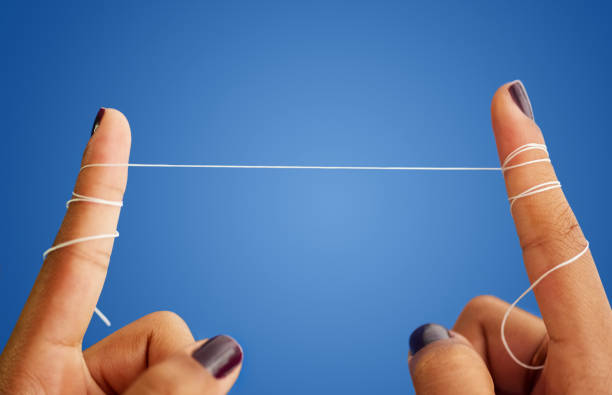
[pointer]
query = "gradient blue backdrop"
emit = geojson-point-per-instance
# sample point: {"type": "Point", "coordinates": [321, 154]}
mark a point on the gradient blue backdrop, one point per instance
{"type": "Point", "coordinates": [321, 276]}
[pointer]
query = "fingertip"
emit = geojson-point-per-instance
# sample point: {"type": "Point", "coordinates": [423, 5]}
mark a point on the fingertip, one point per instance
{"type": "Point", "coordinates": [221, 356]}
{"type": "Point", "coordinates": [111, 122]}
{"type": "Point", "coordinates": [511, 103]}
{"type": "Point", "coordinates": [439, 340]}
{"type": "Point", "coordinates": [110, 140]}
{"type": "Point", "coordinates": [425, 335]}
{"type": "Point", "coordinates": [117, 116]}
{"type": "Point", "coordinates": [512, 118]}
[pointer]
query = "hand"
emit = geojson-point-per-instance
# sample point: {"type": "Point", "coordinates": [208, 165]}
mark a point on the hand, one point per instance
{"type": "Point", "coordinates": [154, 355]}
{"type": "Point", "coordinates": [573, 340]}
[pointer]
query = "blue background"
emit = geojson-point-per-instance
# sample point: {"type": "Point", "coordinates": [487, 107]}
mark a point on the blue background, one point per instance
{"type": "Point", "coordinates": [321, 276]}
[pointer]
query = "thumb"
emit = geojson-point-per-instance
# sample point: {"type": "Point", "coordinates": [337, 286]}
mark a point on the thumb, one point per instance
{"type": "Point", "coordinates": [443, 363]}
{"type": "Point", "coordinates": [210, 369]}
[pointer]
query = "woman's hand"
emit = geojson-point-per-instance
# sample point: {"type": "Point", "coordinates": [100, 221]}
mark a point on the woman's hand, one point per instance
{"type": "Point", "coordinates": [574, 339]}
{"type": "Point", "coordinates": [157, 353]}
{"type": "Point", "coordinates": [154, 355]}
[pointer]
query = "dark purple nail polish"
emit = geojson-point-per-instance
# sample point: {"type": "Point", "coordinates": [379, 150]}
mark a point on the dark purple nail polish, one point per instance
{"type": "Point", "coordinates": [219, 355]}
{"type": "Point", "coordinates": [97, 120]}
{"type": "Point", "coordinates": [519, 95]}
{"type": "Point", "coordinates": [427, 334]}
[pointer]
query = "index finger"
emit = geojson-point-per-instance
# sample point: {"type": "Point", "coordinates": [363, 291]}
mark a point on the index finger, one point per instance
{"type": "Point", "coordinates": [572, 300]}
{"type": "Point", "coordinates": [68, 286]}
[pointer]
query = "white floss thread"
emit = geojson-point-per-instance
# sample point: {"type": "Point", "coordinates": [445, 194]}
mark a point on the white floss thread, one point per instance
{"type": "Point", "coordinates": [539, 188]}
{"type": "Point", "coordinates": [536, 282]}
{"type": "Point", "coordinates": [82, 198]}
{"type": "Point", "coordinates": [543, 187]}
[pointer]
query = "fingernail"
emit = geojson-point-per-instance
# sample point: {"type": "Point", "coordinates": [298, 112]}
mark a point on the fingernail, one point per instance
{"type": "Point", "coordinates": [519, 95]}
{"type": "Point", "coordinates": [97, 121]}
{"type": "Point", "coordinates": [219, 355]}
{"type": "Point", "coordinates": [427, 334]}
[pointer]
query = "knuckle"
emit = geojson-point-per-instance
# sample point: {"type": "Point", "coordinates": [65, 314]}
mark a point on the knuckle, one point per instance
{"type": "Point", "coordinates": [98, 256]}
{"type": "Point", "coordinates": [480, 305]}
{"type": "Point", "coordinates": [558, 229]}
{"type": "Point", "coordinates": [165, 326]}
{"type": "Point", "coordinates": [102, 182]}
{"type": "Point", "coordinates": [167, 320]}
{"type": "Point", "coordinates": [111, 188]}
{"type": "Point", "coordinates": [482, 302]}
{"type": "Point", "coordinates": [114, 188]}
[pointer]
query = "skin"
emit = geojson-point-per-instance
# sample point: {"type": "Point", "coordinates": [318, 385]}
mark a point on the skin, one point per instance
{"type": "Point", "coordinates": [152, 355]}
{"type": "Point", "coordinates": [572, 340]}
{"type": "Point", "coordinates": [44, 354]}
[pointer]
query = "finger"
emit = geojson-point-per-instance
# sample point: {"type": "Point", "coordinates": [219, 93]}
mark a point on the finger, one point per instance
{"type": "Point", "coordinates": [572, 300]}
{"type": "Point", "coordinates": [116, 361]}
{"type": "Point", "coordinates": [443, 363]}
{"type": "Point", "coordinates": [66, 291]}
{"type": "Point", "coordinates": [209, 369]}
{"type": "Point", "coordinates": [479, 323]}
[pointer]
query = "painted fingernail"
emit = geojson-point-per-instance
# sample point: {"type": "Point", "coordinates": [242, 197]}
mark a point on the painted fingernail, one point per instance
{"type": "Point", "coordinates": [219, 355]}
{"type": "Point", "coordinates": [427, 334]}
{"type": "Point", "coordinates": [519, 95]}
{"type": "Point", "coordinates": [97, 120]}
